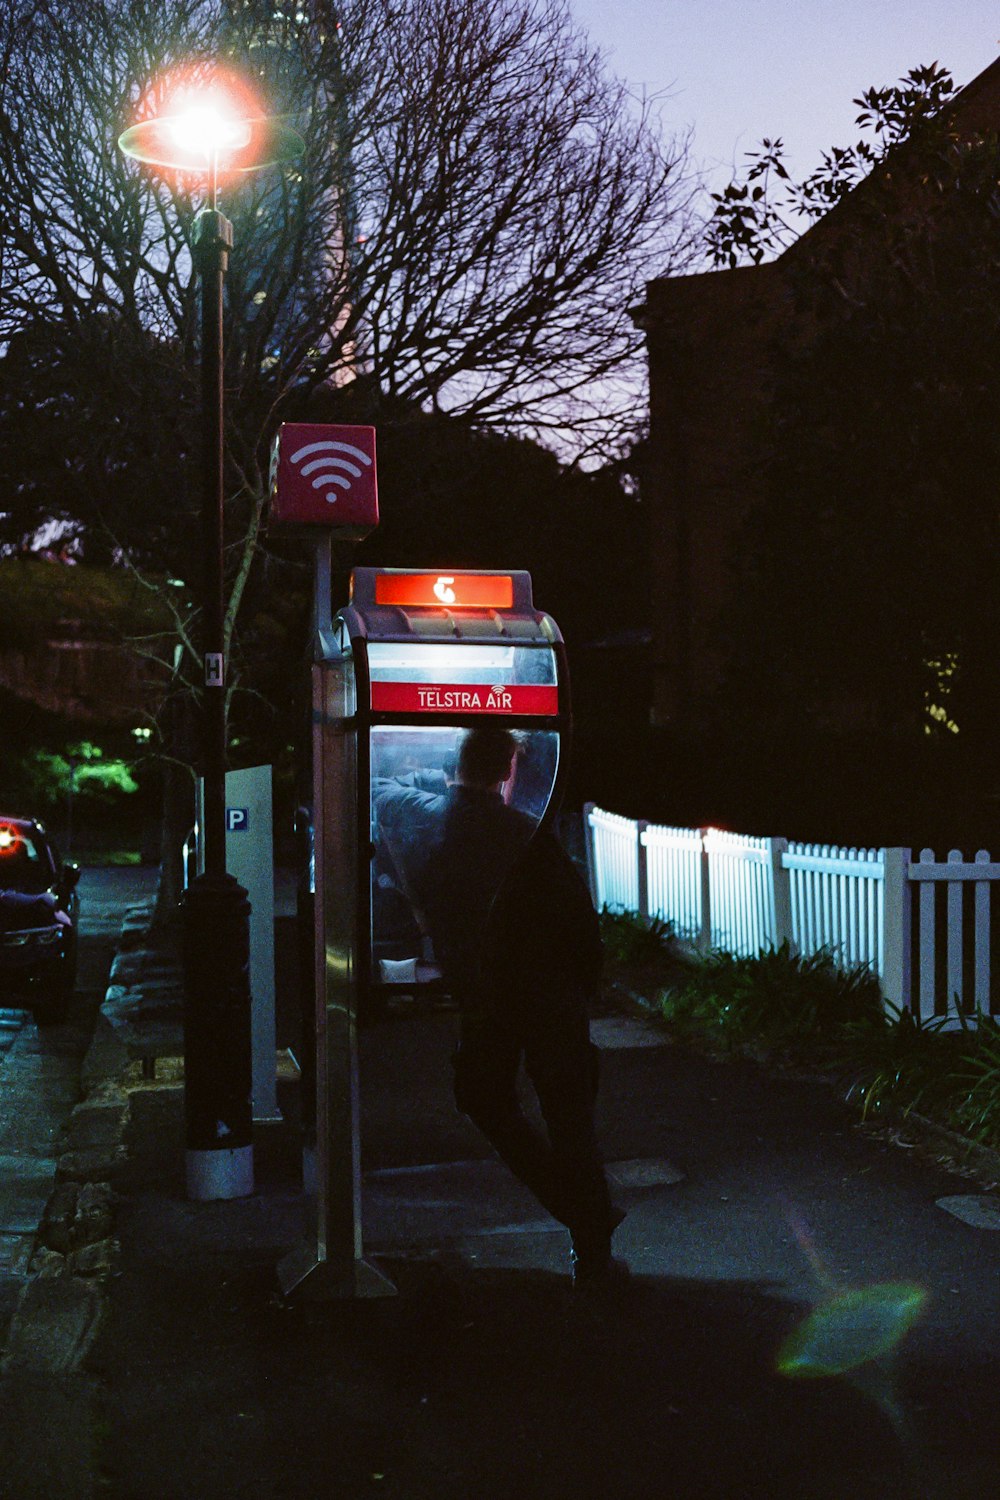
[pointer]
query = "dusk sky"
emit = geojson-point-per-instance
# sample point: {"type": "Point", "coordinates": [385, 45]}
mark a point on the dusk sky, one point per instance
{"type": "Point", "coordinates": [737, 70]}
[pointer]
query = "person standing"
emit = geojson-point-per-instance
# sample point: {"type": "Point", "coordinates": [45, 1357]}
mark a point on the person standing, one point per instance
{"type": "Point", "coordinates": [517, 939]}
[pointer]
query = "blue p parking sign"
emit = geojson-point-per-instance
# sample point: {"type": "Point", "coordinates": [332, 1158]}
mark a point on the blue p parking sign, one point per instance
{"type": "Point", "coordinates": [237, 819]}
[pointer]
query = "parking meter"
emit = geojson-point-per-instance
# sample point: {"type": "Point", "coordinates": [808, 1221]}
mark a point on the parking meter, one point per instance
{"type": "Point", "coordinates": [414, 662]}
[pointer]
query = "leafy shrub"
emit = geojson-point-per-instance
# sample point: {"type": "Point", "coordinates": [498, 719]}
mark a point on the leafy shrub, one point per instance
{"type": "Point", "coordinates": [808, 1008]}
{"type": "Point", "coordinates": [630, 942]}
{"type": "Point", "coordinates": [84, 772]}
{"type": "Point", "coordinates": [775, 998]}
{"type": "Point", "coordinates": [977, 1113]}
{"type": "Point", "coordinates": [904, 1062]}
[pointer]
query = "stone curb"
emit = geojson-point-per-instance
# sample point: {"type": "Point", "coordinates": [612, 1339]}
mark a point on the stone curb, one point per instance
{"type": "Point", "coordinates": [79, 1210]}
{"type": "Point", "coordinates": [982, 1159]}
{"type": "Point", "coordinates": [49, 1408]}
{"type": "Point", "coordinates": [57, 1319]}
{"type": "Point", "coordinates": [142, 1012]}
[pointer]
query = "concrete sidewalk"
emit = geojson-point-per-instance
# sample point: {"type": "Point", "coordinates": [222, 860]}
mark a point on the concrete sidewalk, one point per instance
{"type": "Point", "coordinates": [65, 1109]}
{"type": "Point", "coordinates": [752, 1201]}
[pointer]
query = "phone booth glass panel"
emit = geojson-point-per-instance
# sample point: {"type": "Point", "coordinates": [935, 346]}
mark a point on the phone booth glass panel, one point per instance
{"type": "Point", "coordinates": [414, 781]}
{"type": "Point", "coordinates": [441, 663]}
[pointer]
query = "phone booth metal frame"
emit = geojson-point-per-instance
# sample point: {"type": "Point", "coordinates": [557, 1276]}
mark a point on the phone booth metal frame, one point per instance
{"type": "Point", "coordinates": [392, 610]}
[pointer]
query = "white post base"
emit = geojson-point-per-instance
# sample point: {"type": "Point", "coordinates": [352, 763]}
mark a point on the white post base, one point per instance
{"type": "Point", "coordinates": [226, 1173]}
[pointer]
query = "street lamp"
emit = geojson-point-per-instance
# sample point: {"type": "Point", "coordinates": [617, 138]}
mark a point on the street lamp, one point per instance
{"type": "Point", "coordinates": [212, 129]}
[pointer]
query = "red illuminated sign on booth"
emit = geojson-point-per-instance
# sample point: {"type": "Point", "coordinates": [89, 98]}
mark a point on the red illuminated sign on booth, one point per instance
{"type": "Point", "coordinates": [453, 590]}
{"type": "Point", "coordinates": [464, 698]}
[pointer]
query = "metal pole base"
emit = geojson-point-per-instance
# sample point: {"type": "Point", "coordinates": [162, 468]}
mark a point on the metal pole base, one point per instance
{"type": "Point", "coordinates": [305, 1275]}
{"type": "Point", "coordinates": [218, 1068]}
{"type": "Point", "coordinates": [219, 1174]}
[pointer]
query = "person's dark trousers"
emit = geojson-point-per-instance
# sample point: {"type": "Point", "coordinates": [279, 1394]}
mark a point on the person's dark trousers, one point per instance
{"type": "Point", "coordinates": [564, 1170]}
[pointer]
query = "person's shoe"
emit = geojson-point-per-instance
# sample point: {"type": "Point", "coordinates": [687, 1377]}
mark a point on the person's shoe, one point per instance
{"type": "Point", "coordinates": [593, 1246]}
{"type": "Point", "coordinates": [598, 1273]}
{"type": "Point", "coordinates": [592, 1264]}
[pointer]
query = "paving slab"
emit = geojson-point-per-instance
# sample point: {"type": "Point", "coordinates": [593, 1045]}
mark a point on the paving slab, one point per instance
{"type": "Point", "coordinates": [646, 1172]}
{"type": "Point", "coordinates": [34, 1130]}
{"type": "Point", "coordinates": [429, 1203]}
{"type": "Point", "coordinates": [616, 1033]}
{"type": "Point", "coordinates": [462, 1203]}
{"type": "Point", "coordinates": [535, 1247]}
{"type": "Point", "coordinates": [15, 1261]}
{"type": "Point", "coordinates": [978, 1210]}
{"type": "Point", "coordinates": [15, 1254]}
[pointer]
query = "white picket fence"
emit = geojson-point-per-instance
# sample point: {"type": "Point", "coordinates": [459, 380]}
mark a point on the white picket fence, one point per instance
{"type": "Point", "coordinates": [923, 926]}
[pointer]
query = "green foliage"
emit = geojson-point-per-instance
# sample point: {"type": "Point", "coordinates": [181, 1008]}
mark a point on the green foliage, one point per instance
{"type": "Point", "coordinates": [807, 1010]}
{"type": "Point", "coordinates": [978, 1111]}
{"type": "Point", "coordinates": [950, 1074]}
{"type": "Point", "coordinates": [105, 456]}
{"type": "Point", "coordinates": [83, 772]}
{"type": "Point", "coordinates": [895, 1061]}
{"type": "Point", "coordinates": [39, 599]}
{"type": "Point", "coordinates": [631, 943]}
{"type": "Point", "coordinates": [903, 1063]}
{"type": "Point", "coordinates": [763, 212]}
{"type": "Point", "coordinates": [776, 999]}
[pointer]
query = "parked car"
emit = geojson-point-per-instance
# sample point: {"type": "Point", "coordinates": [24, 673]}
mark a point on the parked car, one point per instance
{"type": "Point", "coordinates": [39, 911]}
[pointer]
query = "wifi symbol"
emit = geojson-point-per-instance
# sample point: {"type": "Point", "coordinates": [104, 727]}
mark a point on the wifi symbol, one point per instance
{"type": "Point", "coordinates": [330, 469]}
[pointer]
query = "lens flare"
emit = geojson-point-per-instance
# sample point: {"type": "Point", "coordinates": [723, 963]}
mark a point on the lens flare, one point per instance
{"type": "Point", "coordinates": [851, 1328]}
{"type": "Point", "coordinates": [195, 118]}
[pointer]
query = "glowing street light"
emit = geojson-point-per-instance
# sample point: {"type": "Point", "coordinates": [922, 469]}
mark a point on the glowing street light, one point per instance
{"type": "Point", "coordinates": [210, 130]}
{"type": "Point", "coordinates": [211, 127]}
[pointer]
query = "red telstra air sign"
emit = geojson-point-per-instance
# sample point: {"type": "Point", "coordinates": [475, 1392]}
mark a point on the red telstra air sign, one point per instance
{"type": "Point", "coordinates": [464, 698]}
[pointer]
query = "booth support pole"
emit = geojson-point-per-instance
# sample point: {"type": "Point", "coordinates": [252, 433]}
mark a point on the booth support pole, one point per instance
{"type": "Point", "coordinates": [322, 593]}
{"type": "Point", "coordinates": [330, 1264]}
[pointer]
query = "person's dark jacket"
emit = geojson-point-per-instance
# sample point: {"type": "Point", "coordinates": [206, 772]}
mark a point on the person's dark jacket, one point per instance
{"type": "Point", "coordinates": [453, 851]}
{"type": "Point", "coordinates": [509, 916]}
{"type": "Point", "coordinates": [543, 934]}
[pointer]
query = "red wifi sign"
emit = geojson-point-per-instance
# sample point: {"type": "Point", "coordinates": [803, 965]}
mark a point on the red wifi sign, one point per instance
{"type": "Point", "coordinates": [323, 475]}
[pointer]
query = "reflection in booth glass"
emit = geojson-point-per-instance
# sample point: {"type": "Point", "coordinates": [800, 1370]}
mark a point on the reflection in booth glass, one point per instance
{"type": "Point", "coordinates": [424, 818]}
{"type": "Point", "coordinates": [439, 661]}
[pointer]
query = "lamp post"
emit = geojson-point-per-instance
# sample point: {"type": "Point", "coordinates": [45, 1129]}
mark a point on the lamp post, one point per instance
{"type": "Point", "coordinates": [211, 131]}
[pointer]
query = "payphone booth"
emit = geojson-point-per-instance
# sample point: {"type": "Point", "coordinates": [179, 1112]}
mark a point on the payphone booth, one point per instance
{"type": "Point", "coordinates": [405, 674]}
